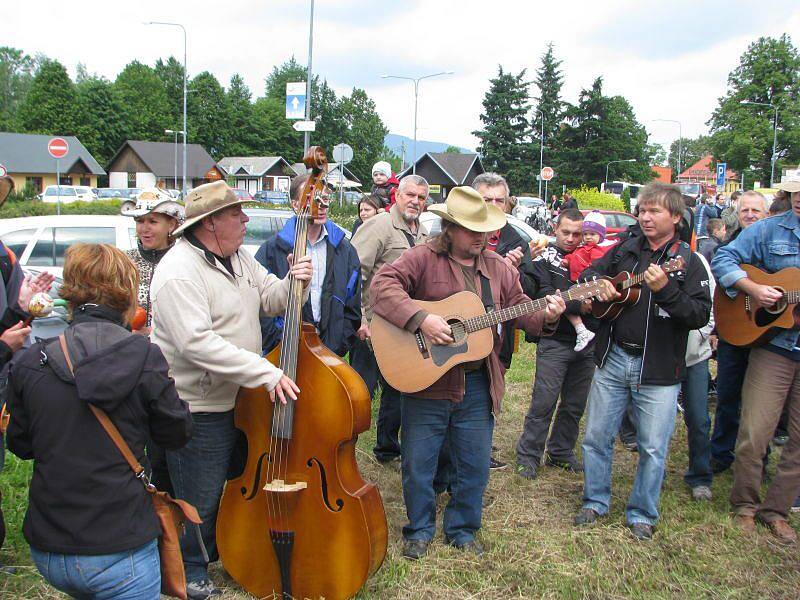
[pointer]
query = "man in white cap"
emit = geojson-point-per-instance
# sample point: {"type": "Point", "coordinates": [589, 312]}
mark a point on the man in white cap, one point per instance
{"type": "Point", "coordinates": [460, 406]}
{"type": "Point", "coordinates": [772, 380]}
{"type": "Point", "coordinates": [207, 296]}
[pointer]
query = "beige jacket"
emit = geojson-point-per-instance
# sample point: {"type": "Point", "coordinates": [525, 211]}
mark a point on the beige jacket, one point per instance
{"type": "Point", "coordinates": [379, 241]}
{"type": "Point", "coordinates": [206, 323]}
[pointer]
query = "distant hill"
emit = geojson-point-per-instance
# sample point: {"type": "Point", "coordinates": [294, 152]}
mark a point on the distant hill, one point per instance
{"type": "Point", "coordinates": [394, 143]}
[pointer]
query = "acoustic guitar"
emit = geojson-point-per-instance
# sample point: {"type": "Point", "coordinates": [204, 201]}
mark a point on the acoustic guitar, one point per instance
{"type": "Point", "coordinates": [741, 323]}
{"type": "Point", "coordinates": [410, 362]}
{"type": "Point", "coordinates": [628, 286]}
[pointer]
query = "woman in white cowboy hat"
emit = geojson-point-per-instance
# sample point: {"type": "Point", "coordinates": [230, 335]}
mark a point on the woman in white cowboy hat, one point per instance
{"type": "Point", "coordinates": [157, 216]}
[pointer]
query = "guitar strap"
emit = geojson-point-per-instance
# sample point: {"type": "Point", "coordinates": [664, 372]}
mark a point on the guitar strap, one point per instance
{"type": "Point", "coordinates": [486, 293]}
{"type": "Point", "coordinates": [409, 237]}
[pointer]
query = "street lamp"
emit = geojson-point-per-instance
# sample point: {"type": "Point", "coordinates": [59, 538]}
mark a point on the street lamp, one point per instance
{"type": "Point", "coordinates": [185, 77]}
{"type": "Point", "coordinates": [307, 134]}
{"type": "Point", "coordinates": [541, 155]}
{"type": "Point", "coordinates": [680, 143]}
{"type": "Point", "coordinates": [175, 180]}
{"type": "Point", "coordinates": [774, 136]}
{"type": "Point", "coordinates": [416, 81]}
{"type": "Point", "coordinates": [617, 161]}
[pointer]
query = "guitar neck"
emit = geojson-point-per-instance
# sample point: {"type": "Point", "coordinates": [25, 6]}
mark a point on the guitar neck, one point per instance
{"type": "Point", "coordinates": [792, 296]}
{"type": "Point", "coordinates": [512, 312]}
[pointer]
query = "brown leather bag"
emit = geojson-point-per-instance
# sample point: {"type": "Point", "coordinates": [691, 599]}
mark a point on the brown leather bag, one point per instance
{"type": "Point", "coordinates": [171, 513]}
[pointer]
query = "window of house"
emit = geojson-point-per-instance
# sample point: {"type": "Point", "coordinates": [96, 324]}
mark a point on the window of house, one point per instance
{"type": "Point", "coordinates": [86, 181]}
{"type": "Point", "coordinates": [52, 244]}
{"type": "Point", "coordinates": [65, 180]}
{"type": "Point", "coordinates": [34, 183]}
{"type": "Point", "coordinates": [131, 180]}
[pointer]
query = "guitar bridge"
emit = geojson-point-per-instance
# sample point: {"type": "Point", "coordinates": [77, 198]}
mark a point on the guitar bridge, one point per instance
{"type": "Point", "coordinates": [422, 346]}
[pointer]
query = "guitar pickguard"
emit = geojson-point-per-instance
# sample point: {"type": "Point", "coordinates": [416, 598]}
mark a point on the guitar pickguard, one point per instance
{"type": "Point", "coordinates": [441, 354]}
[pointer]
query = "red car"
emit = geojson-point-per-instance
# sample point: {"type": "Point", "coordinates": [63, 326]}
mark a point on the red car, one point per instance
{"type": "Point", "coordinates": [617, 221]}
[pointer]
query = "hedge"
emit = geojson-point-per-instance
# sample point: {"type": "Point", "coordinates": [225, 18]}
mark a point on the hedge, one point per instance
{"type": "Point", "coordinates": [593, 198]}
{"type": "Point", "coordinates": [35, 208]}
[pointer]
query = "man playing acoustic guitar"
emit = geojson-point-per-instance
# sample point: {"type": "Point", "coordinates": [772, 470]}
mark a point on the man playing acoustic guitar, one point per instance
{"type": "Point", "coordinates": [640, 356]}
{"type": "Point", "coordinates": [773, 373]}
{"type": "Point", "coordinates": [460, 405]}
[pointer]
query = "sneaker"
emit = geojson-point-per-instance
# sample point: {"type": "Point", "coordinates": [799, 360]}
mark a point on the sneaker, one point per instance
{"type": "Point", "coordinates": [528, 471]}
{"type": "Point", "coordinates": [496, 465]}
{"type": "Point", "coordinates": [641, 531]}
{"type": "Point", "coordinates": [583, 339]}
{"type": "Point", "coordinates": [780, 440]}
{"type": "Point", "coordinates": [586, 516]}
{"type": "Point", "coordinates": [415, 549]}
{"type": "Point", "coordinates": [471, 547]}
{"type": "Point", "coordinates": [572, 464]}
{"type": "Point", "coordinates": [202, 589]}
{"type": "Point", "coordinates": [796, 506]}
{"type": "Point", "coordinates": [701, 493]}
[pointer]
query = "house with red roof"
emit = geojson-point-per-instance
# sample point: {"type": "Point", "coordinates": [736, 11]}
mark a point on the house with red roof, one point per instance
{"type": "Point", "coordinates": [704, 171]}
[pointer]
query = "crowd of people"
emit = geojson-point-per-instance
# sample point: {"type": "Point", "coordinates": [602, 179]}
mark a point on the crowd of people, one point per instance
{"type": "Point", "coordinates": [213, 312]}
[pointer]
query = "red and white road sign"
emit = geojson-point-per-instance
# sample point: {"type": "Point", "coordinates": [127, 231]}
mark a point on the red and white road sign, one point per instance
{"type": "Point", "coordinates": [58, 147]}
{"type": "Point", "coordinates": [547, 173]}
{"type": "Point", "coordinates": [3, 171]}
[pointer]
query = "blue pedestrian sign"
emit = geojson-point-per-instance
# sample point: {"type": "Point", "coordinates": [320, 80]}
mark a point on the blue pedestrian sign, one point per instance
{"type": "Point", "coordinates": [721, 168]}
{"type": "Point", "coordinates": [296, 100]}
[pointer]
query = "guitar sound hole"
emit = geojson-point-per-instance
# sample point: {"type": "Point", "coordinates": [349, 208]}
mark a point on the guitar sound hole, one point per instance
{"type": "Point", "coordinates": [458, 329]}
{"type": "Point", "coordinates": [780, 305]}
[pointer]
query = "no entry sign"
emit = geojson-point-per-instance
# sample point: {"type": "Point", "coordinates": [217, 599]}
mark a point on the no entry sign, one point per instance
{"type": "Point", "coordinates": [58, 147]}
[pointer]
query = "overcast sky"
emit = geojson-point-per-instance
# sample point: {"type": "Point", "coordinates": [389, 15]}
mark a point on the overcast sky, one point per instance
{"type": "Point", "coordinates": [669, 59]}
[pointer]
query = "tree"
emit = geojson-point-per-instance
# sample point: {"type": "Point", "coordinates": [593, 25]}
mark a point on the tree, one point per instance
{"type": "Point", "coordinates": [391, 157]}
{"type": "Point", "coordinates": [98, 125]}
{"type": "Point", "coordinates": [17, 71]}
{"type": "Point", "coordinates": [692, 150]}
{"type": "Point", "coordinates": [289, 71]}
{"type": "Point", "coordinates": [365, 132]}
{"type": "Point", "coordinates": [452, 150]}
{"type": "Point", "coordinates": [327, 111]}
{"type": "Point", "coordinates": [274, 133]}
{"type": "Point", "coordinates": [208, 114]}
{"type": "Point", "coordinates": [145, 108]}
{"type": "Point", "coordinates": [505, 137]}
{"type": "Point", "coordinates": [50, 104]}
{"type": "Point", "coordinates": [243, 137]}
{"type": "Point", "coordinates": [549, 81]}
{"type": "Point", "coordinates": [601, 129]}
{"type": "Point", "coordinates": [170, 72]}
{"type": "Point", "coordinates": [742, 135]}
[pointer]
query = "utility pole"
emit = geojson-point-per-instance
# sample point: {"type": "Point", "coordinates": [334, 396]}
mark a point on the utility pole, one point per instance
{"type": "Point", "coordinates": [307, 134]}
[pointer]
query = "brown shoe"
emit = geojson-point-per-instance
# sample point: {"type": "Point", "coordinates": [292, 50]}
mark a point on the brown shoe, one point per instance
{"type": "Point", "coordinates": [746, 523]}
{"type": "Point", "coordinates": [782, 530]}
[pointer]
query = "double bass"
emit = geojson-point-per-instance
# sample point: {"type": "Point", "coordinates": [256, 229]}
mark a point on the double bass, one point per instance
{"type": "Point", "coordinates": [300, 522]}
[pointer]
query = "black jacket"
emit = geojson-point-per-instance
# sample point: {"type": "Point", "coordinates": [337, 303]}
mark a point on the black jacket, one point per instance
{"type": "Point", "coordinates": [682, 305]}
{"type": "Point", "coordinates": [83, 497]}
{"type": "Point", "coordinates": [552, 276]}
{"type": "Point", "coordinates": [510, 239]}
{"type": "Point", "coordinates": [340, 307]}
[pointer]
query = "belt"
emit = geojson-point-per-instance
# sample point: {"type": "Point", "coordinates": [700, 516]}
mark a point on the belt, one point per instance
{"type": "Point", "coordinates": [632, 349]}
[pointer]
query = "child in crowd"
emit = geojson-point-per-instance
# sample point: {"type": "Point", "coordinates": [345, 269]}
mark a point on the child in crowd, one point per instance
{"type": "Point", "coordinates": [593, 247]}
{"type": "Point", "coordinates": [384, 183]}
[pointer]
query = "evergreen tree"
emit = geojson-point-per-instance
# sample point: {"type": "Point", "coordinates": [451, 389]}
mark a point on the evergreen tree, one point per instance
{"type": "Point", "coordinates": [365, 132]}
{"type": "Point", "coordinates": [145, 108]}
{"type": "Point", "coordinates": [51, 102]}
{"type": "Point", "coordinates": [243, 138]}
{"type": "Point", "coordinates": [170, 72]}
{"type": "Point", "coordinates": [742, 135]}
{"type": "Point", "coordinates": [505, 137]}
{"type": "Point", "coordinates": [99, 126]}
{"type": "Point", "coordinates": [549, 81]}
{"type": "Point", "coordinates": [290, 71]}
{"type": "Point", "coordinates": [274, 133]}
{"type": "Point", "coordinates": [328, 114]}
{"type": "Point", "coordinates": [17, 70]}
{"type": "Point", "coordinates": [208, 114]}
{"type": "Point", "coordinates": [692, 150]}
{"type": "Point", "coordinates": [452, 150]}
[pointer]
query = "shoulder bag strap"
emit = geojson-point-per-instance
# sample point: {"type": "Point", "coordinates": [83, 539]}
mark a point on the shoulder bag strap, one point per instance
{"type": "Point", "coordinates": [106, 423]}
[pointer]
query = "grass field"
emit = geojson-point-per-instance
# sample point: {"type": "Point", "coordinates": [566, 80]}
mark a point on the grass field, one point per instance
{"type": "Point", "coordinates": [533, 551]}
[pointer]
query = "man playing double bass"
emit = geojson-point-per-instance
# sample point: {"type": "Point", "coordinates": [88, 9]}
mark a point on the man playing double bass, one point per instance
{"type": "Point", "coordinates": [207, 297]}
{"type": "Point", "coordinates": [461, 405]}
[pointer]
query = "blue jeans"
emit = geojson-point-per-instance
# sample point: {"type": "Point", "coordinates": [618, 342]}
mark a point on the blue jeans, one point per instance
{"type": "Point", "coordinates": [468, 427]}
{"type": "Point", "coordinates": [133, 574]}
{"type": "Point", "coordinates": [731, 367]}
{"type": "Point", "coordinates": [698, 424]}
{"type": "Point", "coordinates": [198, 472]}
{"type": "Point", "coordinates": [654, 407]}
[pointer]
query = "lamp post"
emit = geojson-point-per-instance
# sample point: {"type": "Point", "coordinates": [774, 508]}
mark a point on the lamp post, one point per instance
{"type": "Point", "coordinates": [617, 161]}
{"type": "Point", "coordinates": [541, 155]}
{"type": "Point", "coordinates": [416, 81]}
{"type": "Point", "coordinates": [774, 136]}
{"type": "Point", "coordinates": [175, 180]}
{"type": "Point", "coordinates": [307, 134]}
{"type": "Point", "coordinates": [680, 143]}
{"type": "Point", "coordinates": [185, 78]}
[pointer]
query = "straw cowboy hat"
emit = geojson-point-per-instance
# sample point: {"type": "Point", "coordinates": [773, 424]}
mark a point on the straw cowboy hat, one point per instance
{"type": "Point", "coordinates": [466, 207]}
{"type": "Point", "coordinates": [789, 186]}
{"type": "Point", "coordinates": [153, 200]}
{"type": "Point", "coordinates": [6, 187]}
{"type": "Point", "coordinates": [205, 200]}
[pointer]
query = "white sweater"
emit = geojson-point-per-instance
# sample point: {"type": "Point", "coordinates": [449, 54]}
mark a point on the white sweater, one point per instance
{"type": "Point", "coordinates": [206, 322]}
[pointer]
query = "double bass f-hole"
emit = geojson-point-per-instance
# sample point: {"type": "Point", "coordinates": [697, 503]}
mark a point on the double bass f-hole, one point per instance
{"type": "Point", "coordinates": [255, 486]}
{"type": "Point", "coordinates": [324, 484]}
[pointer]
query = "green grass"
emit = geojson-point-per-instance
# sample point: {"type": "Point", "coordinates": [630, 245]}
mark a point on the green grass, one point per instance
{"type": "Point", "coordinates": [533, 551]}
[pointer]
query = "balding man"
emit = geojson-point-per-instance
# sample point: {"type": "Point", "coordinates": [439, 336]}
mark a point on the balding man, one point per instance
{"type": "Point", "coordinates": [732, 360]}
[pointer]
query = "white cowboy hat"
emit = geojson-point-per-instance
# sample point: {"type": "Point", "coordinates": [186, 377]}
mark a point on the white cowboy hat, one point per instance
{"type": "Point", "coordinates": [466, 207]}
{"type": "Point", "coordinates": [205, 200]}
{"type": "Point", "coordinates": [789, 186]}
{"type": "Point", "coordinates": [153, 200]}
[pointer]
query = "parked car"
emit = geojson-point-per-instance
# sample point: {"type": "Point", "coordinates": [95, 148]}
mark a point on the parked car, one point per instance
{"type": "Point", "coordinates": [433, 223]}
{"type": "Point", "coordinates": [271, 197]}
{"type": "Point", "coordinates": [263, 224]}
{"type": "Point", "coordinates": [40, 242]}
{"type": "Point", "coordinates": [349, 197]}
{"type": "Point", "coordinates": [121, 193]}
{"type": "Point", "coordinates": [617, 221]}
{"type": "Point", "coordinates": [67, 193]}
{"type": "Point", "coordinates": [243, 194]}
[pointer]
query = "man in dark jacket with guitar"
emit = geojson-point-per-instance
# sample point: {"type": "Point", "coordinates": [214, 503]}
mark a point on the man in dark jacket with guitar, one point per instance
{"type": "Point", "coordinates": [640, 356]}
{"type": "Point", "coordinates": [459, 406]}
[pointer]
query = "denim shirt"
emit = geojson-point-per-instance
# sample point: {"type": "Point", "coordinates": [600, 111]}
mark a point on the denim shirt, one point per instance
{"type": "Point", "coordinates": [771, 244]}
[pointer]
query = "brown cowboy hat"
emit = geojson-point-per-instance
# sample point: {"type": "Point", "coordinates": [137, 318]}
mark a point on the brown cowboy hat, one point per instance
{"type": "Point", "coordinates": [466, 207]}
{"type": "Point", "coordinates": [205, 200]}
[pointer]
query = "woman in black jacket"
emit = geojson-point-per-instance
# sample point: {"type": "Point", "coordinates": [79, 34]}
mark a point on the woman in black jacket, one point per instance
{"type": "Point", "coordinates": [90, 523]}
